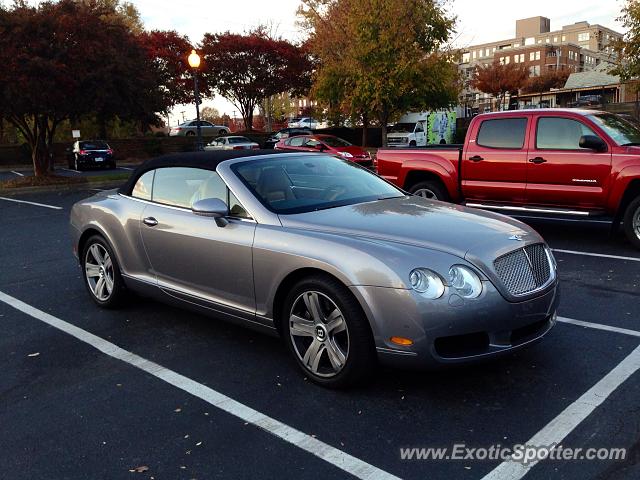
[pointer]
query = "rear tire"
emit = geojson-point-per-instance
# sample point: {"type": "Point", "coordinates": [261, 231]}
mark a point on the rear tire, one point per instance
{"type": "Point", "coordinates": [631, 222]}
{"type": "Point", "coordinates": [334, 347]}
{"type": "Point", "coordinates": [430, 189]}
{"type": "Point", "coordinates": [191, 134]}
{"type": "Point", "coordinates": [101, 273]}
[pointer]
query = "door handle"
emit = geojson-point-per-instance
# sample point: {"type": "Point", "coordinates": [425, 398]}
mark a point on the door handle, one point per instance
{"type": "Point", "coordinates": [150, 221]}
{"type": "Point", "coordinates": [476, 158]}
{"type": "Point", "coordinates": [537, 160]}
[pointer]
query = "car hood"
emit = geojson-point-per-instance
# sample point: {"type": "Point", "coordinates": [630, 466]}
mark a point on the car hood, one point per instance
{"type": "Point", "coordinates": [476, 235]}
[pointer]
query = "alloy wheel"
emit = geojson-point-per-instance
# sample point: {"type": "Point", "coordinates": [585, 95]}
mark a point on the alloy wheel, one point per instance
{"type": "Point", "coordinates": [319, 334]}
{"type": "Point", "coordinates": [636, 222]}
{"type": "Point", "coordinates": [426, 193]}
{"type": "Point", "coordinates": [99, 271]}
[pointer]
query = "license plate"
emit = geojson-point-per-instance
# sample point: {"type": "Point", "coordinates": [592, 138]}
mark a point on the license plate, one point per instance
{"type": "Point", "coordinates": [99, 159]}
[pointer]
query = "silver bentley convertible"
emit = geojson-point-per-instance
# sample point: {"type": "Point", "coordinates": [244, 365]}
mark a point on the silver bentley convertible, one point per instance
{"type": "Point", "coordinates": [347, 268]}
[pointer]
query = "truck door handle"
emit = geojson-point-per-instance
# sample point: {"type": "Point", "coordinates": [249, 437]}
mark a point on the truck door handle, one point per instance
{"type": "Point", "coordinates": [150, 221]}
{"type": "Point", "coordinates": [537, 160]}
{"type": "Point", "coordinates": [476, 158]}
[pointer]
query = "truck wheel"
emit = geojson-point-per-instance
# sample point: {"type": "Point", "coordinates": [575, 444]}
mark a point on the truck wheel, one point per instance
{"type": "Point", "coordinates": [412, 143]}
{"type": "Point", "coordinates": [429, 189]}
{"type": "Point", "coordinates": [632, 222]}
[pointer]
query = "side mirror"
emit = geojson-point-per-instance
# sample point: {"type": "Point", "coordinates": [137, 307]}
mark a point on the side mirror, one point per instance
{"type": "Point", "coordinates": [214, 208]}
{"type": "Point", "coordinates": [593, 143]}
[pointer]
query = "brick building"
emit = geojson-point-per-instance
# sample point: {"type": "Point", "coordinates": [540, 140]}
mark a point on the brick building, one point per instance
{"type": "Point", "coordinates": [577, 47]}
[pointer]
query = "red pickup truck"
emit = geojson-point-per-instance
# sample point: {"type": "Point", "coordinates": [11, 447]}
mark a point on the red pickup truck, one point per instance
{"type": "Point", "coordinates": [552, 162]}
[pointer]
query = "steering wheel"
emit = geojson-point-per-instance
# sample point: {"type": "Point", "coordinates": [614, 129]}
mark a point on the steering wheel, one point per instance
{"type": "Point", "coordinates": [335, 191]}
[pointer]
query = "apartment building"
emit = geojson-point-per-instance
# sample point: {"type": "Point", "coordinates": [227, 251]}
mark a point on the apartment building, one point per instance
{"type": "Point", "coordinates": [577, 47]}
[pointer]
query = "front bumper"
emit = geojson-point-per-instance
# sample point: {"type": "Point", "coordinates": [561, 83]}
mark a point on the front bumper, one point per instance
{"type": "Point", "coordinates": [452, 330]}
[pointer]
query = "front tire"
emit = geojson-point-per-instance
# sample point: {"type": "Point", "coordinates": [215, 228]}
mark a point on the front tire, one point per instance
{"type": "Point", "coordinates": [632, 222]}
{"type": "Point", "coordinates": [327, 333]}
{"type": "Point", "coordinates": [429, 189]}
{"type": "Point", "coordinates": [101, 273]}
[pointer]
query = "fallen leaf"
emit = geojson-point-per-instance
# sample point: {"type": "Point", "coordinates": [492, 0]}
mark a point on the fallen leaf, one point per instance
{"type": "Point", "coordinates": [140, 469]}
{"type": "Point", "coordinates": [33, 354]}
{"type": "Point", "coordinates": [198, 444]}
{"type": "Point", "coordinates": [178, 410]}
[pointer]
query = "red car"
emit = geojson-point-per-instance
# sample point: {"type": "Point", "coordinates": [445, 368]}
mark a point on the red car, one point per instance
{"type": "Point", "coordinates": [327, 144]}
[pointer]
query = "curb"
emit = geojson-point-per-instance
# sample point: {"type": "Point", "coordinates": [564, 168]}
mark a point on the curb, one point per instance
{"type": "Point", "coordinates": [7, 192]}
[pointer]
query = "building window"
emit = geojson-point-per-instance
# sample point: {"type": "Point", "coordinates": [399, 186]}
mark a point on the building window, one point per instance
{"type": "Point", "coordinates": [534, 70]}
{"type": "Point", "coordinates": [501, 60]}
{"type": "Point", "coordinates": [507, 60]}
{"type": "Point", "coordinates": [474, 54]}
{"type": "Point", "coordinates": [564, 38]}
{"type": "Point", "coordinates": [555, 39]}
{"type": "Point", "coordinates": [466, 56]}
{"type": "Point", "coordinates": [583, 37]}
{"type": "Point", "coordinates": [529, 41]}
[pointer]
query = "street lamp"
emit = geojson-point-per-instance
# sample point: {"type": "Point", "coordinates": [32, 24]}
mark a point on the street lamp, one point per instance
{"type": "Point", "coordinates": [194, 63]}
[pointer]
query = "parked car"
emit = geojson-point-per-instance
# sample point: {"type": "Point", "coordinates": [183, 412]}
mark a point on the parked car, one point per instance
{"type": "Point", "coordinates": [190, 129]}
{"type": "Point", "coordinates": [303, 122]}
{"type": "Point", "coordinates": [90, 153]}
{"type": "Point", "coordinates": [345, 266]}
{"type": "Point", "coordinates": [564, 163]}
{"type": "Point", "coordinates": [285, 133]}
{"type": "Point", "coordinates": [407, 135]}
{"type": "Point", "coordinates": [232, 143]}
{"type": "Point", "coordinates": [328, 144]}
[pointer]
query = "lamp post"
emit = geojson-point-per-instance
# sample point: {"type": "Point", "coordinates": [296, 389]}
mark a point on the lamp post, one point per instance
{"type": "Point", "coordinates": [194, 63]}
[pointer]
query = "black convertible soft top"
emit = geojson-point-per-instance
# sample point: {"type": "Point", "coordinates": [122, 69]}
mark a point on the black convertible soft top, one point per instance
{"type": "Point", "coordinates": [208, 160]}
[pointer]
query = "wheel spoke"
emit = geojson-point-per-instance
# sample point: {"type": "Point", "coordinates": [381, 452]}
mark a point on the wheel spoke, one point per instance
{"type": "Point", "coordinates": [312, 302]}
{"type": "Point", "coordinates": [301, 327]}
{"type": "Point", "coordinates": [312, 356]}
{"type": "Point", "coordinates": [335, 322]}
{"type": "Point", "coordinates": [100, 284]}
{"type": "Point", "coordinates": [97, 254]}
{"type": "Point", "coordinates": [92, 270]}
{"type": "Point", "coordinates": [108, 283]}
{"type": "Point", "coordinates": [107, 262]}
{"type": "Point", "coordinates": [336, 357]}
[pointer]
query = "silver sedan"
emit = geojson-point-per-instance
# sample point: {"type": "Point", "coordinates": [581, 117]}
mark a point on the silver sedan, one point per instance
{"type": "Point", "coordinates": [234, 142]}
{"type": "Point", "coordinates": [348, 269]}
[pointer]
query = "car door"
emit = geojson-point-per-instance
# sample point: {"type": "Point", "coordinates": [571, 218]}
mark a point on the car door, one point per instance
{"type": "Point", "coordinates": [559, 172]}
{"type": "Point", "coordinates": [494, 163]}
{"type": "Point", "coordinates": [421, 137]}
{"type": "Point", "coordinates": [207, 128]}
{"type": "Point", "coordinates": [191, 256]}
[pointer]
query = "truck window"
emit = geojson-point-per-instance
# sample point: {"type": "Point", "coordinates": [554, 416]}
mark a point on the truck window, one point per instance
{"type": "Point", "coordinates": [502, 133]}
{"type": "Point", "coordinates": [556, 133]}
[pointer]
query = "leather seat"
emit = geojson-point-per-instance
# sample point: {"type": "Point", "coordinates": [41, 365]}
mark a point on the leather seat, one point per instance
{"type": "Point", "coordinates": [275, 185]}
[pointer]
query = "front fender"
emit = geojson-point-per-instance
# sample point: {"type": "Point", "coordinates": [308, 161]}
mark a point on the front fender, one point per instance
{"type": "Point", "coordinates": [620, 185]}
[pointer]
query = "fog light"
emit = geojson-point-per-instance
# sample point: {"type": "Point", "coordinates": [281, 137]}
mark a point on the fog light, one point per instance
{"type": "Point", "coordinates": [405, 342]}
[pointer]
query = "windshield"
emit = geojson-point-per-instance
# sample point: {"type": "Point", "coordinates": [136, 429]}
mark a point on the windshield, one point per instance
{"type": "Point", "coordinates": [299, 184]}
{"type": "Point", "coordinates": [402, 128]}
{"type": "Point", "coordinates": [334, 142]}
{"type": "Point", "coordinates": [621, 131]}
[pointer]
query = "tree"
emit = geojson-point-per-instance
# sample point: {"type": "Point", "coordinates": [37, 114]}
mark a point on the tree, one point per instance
{"type": "Point", "coordinates": [246, 69]}
{"type": "Point", "coordinates": [545, 82]}
{"type": "Point", "coordinates": [62, 60]}
{"type": "Point", "coordinates": [627, 49]}
{"type": "Point", "coordinates": [211, 114]}
{"type": "Point", "coordinates": [500, 79]}
{"type": "Point", "coordinates": [381, 58]}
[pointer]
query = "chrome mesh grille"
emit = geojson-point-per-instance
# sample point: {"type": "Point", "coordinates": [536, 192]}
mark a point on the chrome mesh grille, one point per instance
{"type": "Point", "coordinates": [524, 270]}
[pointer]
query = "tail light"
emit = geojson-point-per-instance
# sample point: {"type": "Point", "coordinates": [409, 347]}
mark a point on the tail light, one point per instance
{"type": "Point", "coordinates": [255, 147]}
{"type": "Point", "coordinates": [238, 148]}
{"type": "Point", "coordinates": [83, 152]}
{"type": "Point", "coordinates": [109, 152]}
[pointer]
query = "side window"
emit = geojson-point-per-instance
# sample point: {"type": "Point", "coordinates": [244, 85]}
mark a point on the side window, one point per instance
{"type": "Point", "coordinates": [419, 128]}
{"type": "Point", "coordinates": [560, 133]}
{"type": "Point", "coordinates": [502, 133]}
{"type": "Point", "coordinates": [177, 186]}
{"type": "Point", "coordinates": [193, 124]}
{"type": "Point", "coordinates": [205, 124]}
{"type": "Point", "coordinates": [296, 141]}
{"type": "Point", "coordinates": [142, 188]}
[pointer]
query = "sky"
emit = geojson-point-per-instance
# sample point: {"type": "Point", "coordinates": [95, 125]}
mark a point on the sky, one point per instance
{"type": "Point", "coordinates": [478, 21]}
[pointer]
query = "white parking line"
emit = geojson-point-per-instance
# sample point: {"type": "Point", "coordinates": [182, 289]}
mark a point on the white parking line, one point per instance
{"type": "Point", "coordinates": [17, 173]}
{"type": "Point", "coordinates": [125, 168]}
{"type": "Point", "coordinates": [69, 170]}
{"type": "Point", "coordinates": [332, 455]}
{"type": "Point", "coordinates": [599, 326]}
{"type": "Point", "coordinates": [601, 255]}
{"type": "Point", "coordinates": [561, 426]}
{"type": "Point", "coordinates": [31, 203]}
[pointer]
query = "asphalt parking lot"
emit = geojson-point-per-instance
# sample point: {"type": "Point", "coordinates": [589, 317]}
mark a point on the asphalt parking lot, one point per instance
{"type": "Point", "coordinates": [14, 173]}
{"type": "Point", "coordinates": [149, 391]}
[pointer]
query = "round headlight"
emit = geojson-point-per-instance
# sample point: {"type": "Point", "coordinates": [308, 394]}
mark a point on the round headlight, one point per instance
{"type": "Point", "coordinates": [465, 281]}
{"type": "Point", "coordinates": [427, 283]}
